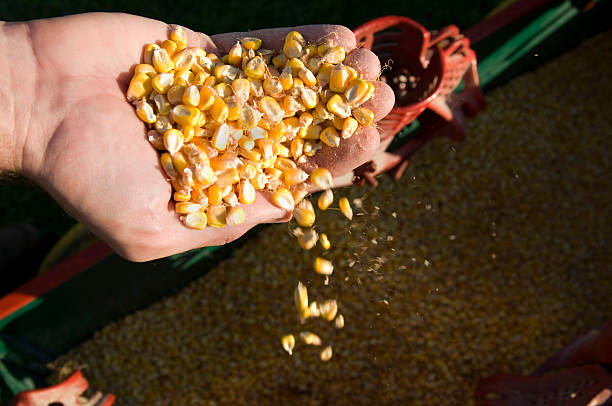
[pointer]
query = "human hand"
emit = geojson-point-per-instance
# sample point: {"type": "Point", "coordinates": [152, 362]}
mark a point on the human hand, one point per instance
{"type": "Point", "coordinates": [88, 149]}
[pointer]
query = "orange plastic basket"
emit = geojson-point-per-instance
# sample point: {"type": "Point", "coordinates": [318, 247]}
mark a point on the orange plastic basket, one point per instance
{"type": "Point", "coordinates": [406, 46]}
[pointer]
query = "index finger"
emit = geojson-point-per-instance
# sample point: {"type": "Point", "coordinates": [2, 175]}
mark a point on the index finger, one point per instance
{"type": "Point", "coordinates": [274, 38]}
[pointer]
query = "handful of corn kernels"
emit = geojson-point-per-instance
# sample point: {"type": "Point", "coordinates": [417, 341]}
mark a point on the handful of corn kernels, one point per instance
{"type": "Point", "coordinates": [227, 127]}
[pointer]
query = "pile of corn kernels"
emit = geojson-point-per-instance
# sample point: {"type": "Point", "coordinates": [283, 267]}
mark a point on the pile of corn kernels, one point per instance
{"type": "Point", "coordinates": [488, 256]}
{"type": "Point", "coordinates": [228, 127]}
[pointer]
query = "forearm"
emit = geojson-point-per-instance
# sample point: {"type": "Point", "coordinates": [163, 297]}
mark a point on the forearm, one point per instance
{"type": "Point", "coordinates": [20, 126]}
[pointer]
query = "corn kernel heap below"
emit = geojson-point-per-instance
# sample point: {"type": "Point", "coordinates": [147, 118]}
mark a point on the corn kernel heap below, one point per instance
{"type": "Point", "coordinates": [228, 127]}
{"type": "Point", "coordinates": [486, 257]}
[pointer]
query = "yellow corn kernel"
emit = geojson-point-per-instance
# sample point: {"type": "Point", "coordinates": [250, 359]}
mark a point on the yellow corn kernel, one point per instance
{"type": "Point", "coordinates": [304, 213]}
{"type": "Point", "coordinates": [306, 239]}
{"type": "Point", "coordinates": [272, 173]}
{"type": "Point", "coordinates": [145, 112]}
{"type": "Point", "coordinates": [251, 155]}
{"type": "Point", "coordinates": [335, 54]}
{"type": "Point", "coordinates": [146, 69]}
{"type": "Point", "coordinates": [294, 176]}
{"type": "Point", "coordinates": [195, 154]}
{"type": "Point", "coordinates": [338, 122]}
{"type": "Point", "coordinates": [310, 338]}
{"type": "Point", "coordinates": [312, 132]}
{"type": "Point", "coordinates": [162, 124]}
{"type": "Point", "coordinates": [345, 208]}
{"type": "Point", "coordinates": [307, 77]}
{"type": "Point", "coordinates": [309, 97]}
{"type": "Point", "coordinates": [325, 241]}
{"type": "Point", "coordinates": [255, 68]}
{"type": "Point", "coordinates": [271, 110]}
{"type": "Point", "coordinates": [288, 343]}
{"type": "Point", "coordinates": [173, 140]}
{"type": "Point", "coordinates": [314, 64]}
{"type": "Point", "coordinates": [338, 78]}
{"type": "Point", "coordinates": [283, 199]}
{"type": "Point", "coordinates": [148, 53]}
{"type": "Point", "coordinates": [329, 137]}
{"type": "Point", "coordinates": [297, 147]}
{"type": "Point", "coordinates": [278, 131]}
{"type": "Point", "coordinates": [352, 73]}
{"type": "Point", "coordinates": [186, 115]}
{"type": "Point", "coordinates": [216, 215]}
{"type": "Point", "coordinates": [242, 89]}
{"type": "Point", "coordinates": [188, 132]}
{"type": "Point", "coordinates": [183, 77]}
{"type": "Point", "coordinates": [279, 61]}
{"type": "Point", "coordinates": [223, 90]}
{"type": "Point", "coordinates": [140, 86]}
{"type": "Point", "coordinates": [259, 181]}
{"type": "Point", "coordinates": [170, 47]}
{"type": "Point", "coordinates": [349, 127]}
{"type": "Point", "coordinates": [221, 137]}
{"type": "Point", "coordinates": [339, 321]}
{"type": "Point", "coordinates": [328, 309]}
{"type": "Point", "coordinates": [234, 56]}
{"type": "Point", "coordinates": [204, 174]}
{"type": "Point", "coordinates": [175, 94]}
{"type": "Point", "coordinates": [221, 163]}
{"type": "Point", "coordinates": [167, 165]}
{"type": "Point", "coordinates": [162, 104]}
{"type": "Point", "coordinates": [227, 177]}
{"type": "Point", "coordinates": [251, 43]}
{"type": "Point", "coordinates": [364, 116]}
{"type": "Point", "coordinates": [156, 140]}
{"type": "Point", "coordinates": [225, 59]}
{"type": "Point", "coordinates": [215, 195]}
{"type": "Point", "coordinates": [293, 49]}
{"type": "Point", "coordinates": [321, 178]}
{"type": "Point", "coordinates": [356, 91]}
{"type": "Point", "coordinates": [246, 143]}
{"type": "Point", "coordinates": [338, 107]}
{"type": "Point", "coordinates": [323, 267]}
{"type": "Point", "coordinates": [295, 36]}
{"type": "Point", "coordinates": [286, 78]}
{"type": "Point", "coordinates": [235, 216]}
{"type": "Point", "coordinates": [324, 48]}
{"type": "Point", "coordinates": [326, 353]}
{"type": "Point", "coordinates": [299, 192]}
{"type": "Point", "coordinates": [184, 59]}
{"type": "Point", "coordinates": [300, 297]}
{"type": "Point", "coordinates": [206, 146]}
{"type": "Point", "coordinates": [249, 117]}
{"type": "Point", "coordinates": [187, 207]}
{"type": "Point", "coordinates": [280, 151]}
{"type": "Point", "coordinates": [325, 199]}
{"type": "Point", "coordinates": [246, 191]}
{"type": "Point", "coordinates": [207, 98]}
{"type": "Point", "coordinates": [191, 96]}
{"type": "Point", "coordinates": [296, 66]}
{"type": "Point", "coordinates": [219, 110]}
{"type": "Point", "coordinates": [199, 78]}
{"type": "Point", "coordinates": [272, 86]}
{"type": "Point", "coordinates": [181, 196]}
{"type": "Point", "coordinates": [179, 161]}
{"type": "Point", "coordinates": [179, 36]}
{"type": "Point", "coordinates": [196, 220]}
{"type": "Point", "coordinates": [226, 73]}
{"type": "Point", "coordinates": [161, 61]}
{"type": "Point", "coordinates": [210, 81]}
{"type": "Point", "coordinates": [234, 108]}
{"type": "Point", "coordinates": [247, 171]}
{"type": "Point", "coordinates": [266, 147]}
{"type": "Point", "coordinates": [324, 73]}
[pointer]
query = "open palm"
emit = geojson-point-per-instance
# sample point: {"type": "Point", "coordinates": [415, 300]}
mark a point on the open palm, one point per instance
{"type": "Point", "coordinates": [96, 161]}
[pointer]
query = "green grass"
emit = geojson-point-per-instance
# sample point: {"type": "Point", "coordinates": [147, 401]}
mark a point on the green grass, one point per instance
{"type": "Point", "coordinates": [23, 202]}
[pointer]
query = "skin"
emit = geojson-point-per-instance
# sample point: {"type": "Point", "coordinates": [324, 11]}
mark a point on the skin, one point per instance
{"type": "Point", "coordinates": [69, 128]}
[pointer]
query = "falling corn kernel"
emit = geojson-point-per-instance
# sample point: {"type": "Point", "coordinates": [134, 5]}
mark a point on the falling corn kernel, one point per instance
{"type": "Point", "coordinates": [304, 213]}
{"type": "Point", "coordinates": [328, 309]}
{"type": "Point", "coordinates": [325, 241]}
{"type": "Point", "coordinates": [307, 239]}
{"type": "Point", "coordinates": [345, 208]}
{"type": "Point", "coordinates": [326, 353]}
{"type": "Point", "coordinates": [300, 297]}
{"type": "Point", "coordinates": [288, 343]}
{"type": "Point", "coordinates": [310, 338]}
{"type": "Point", "coordinates": [323, 266]}
{"type": "Point", "coordinates": [325, 199]}
{"type": "Point", "coordinates": [339, 322]}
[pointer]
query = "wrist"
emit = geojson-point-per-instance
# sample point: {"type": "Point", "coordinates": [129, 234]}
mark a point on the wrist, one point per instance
{"type": "Point", "coordinates": [23, 128]}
